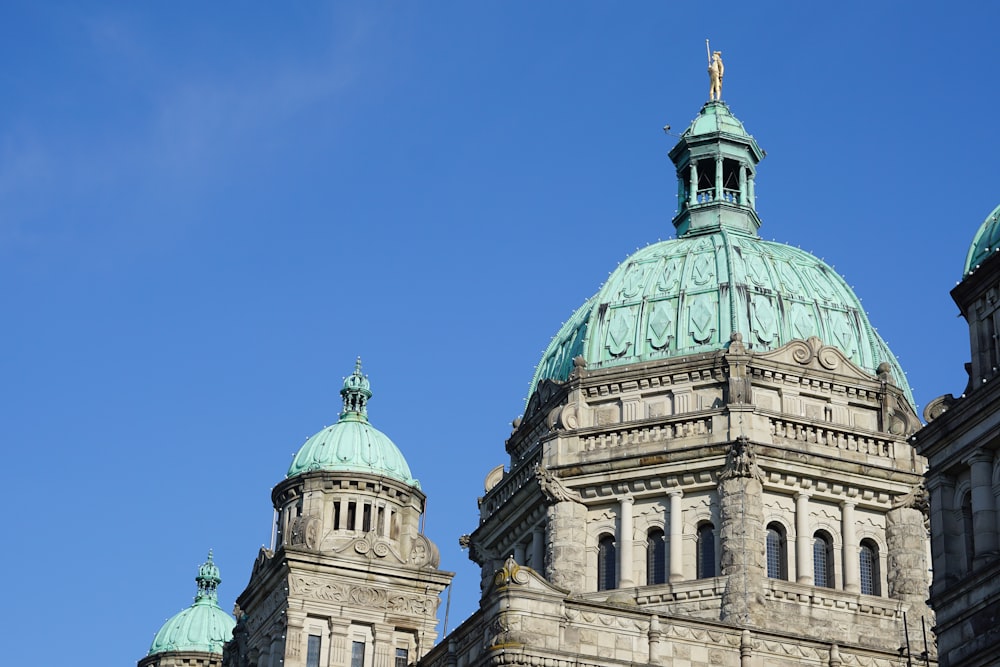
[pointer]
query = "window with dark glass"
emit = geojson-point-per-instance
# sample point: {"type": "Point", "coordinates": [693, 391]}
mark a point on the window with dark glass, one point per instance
{"type": "Point", "coordinates": [352, 510]}
{"type": "Point", "coordinates": [706, 551]}
{"type": "Point", "coordinates": [969, 529]}
{"type": "Point", "coordinates": [607, 574]}
{"type": "Point", "coordinates": [656, 557]}
{"type": "Point", "coordinates": [312, 651]}
{"type": "Point", "coordinates": [823, 560]}
{"type": "Point", "coordinates": [402, 657]}
{"type": "Point", "coordinates": [358, 654]}
{"type": "Point", "coordinates": [870, 579]}
{"type": "Point", "coordinates": [777, 552]}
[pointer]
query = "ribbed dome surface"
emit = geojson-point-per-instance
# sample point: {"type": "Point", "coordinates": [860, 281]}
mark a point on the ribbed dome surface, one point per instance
{"type": "Point", "coordinates": [202, 627]}
{"type": "Point", "coordinates": [352, 445]}
{"type": "Point", "coordinates": [687, 295]}
{"type": "Point", "coordinates": [985, 242]}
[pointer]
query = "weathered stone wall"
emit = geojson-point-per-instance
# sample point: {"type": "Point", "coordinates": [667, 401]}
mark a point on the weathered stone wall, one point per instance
{"type": "Point", "coordinates": [906, 542]}
{"type": "Point", "coordinates": [565, 535]}
{"type": "Point", "coordinates": [742, 540]}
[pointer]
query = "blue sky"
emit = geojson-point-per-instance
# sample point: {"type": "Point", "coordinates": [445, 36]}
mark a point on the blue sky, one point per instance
{"type": "Point", "coordinates": [207, 211]}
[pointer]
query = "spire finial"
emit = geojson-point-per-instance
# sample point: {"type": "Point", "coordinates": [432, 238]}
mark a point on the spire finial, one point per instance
{"type": "Point", "coordinates": [208, 580]}
{"type": "Point", "coordinates": [356, 392]}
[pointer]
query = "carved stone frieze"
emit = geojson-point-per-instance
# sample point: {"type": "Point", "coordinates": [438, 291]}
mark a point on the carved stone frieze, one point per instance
{"type": "Point", "coordinates": [372, 597]}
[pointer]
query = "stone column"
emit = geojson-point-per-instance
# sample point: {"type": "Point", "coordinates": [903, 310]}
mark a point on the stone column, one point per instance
{"type": "Point", "coordinates": [742, 545]}
{"type": "Point", "coordinates": [339, 627]}
{"type": "Point", "coordinates": [654, 640]}
{"type": "Point", "coordinates": [852, 565]}
{"type": "Point", "coordinates": [946, 539]}
{"type": "Point", "coordinates": [751, 194]}
{"type": "Point", "coordinates": [803, 540]}
{"type": "Point", "coordinates": [625, 539]}
{"type": "Point", "coordinates": [383, 645]}
{"type": "Point", "coordinates": [693, 195]}
{"type": "Point", "coordinates": [676, 537]}
{"type": "Point", "coordinates": [718, 178]}
{"type": "Point", "coordinates": [743, 184]}
{"type": "Point", "coordinates": [387, 521]}
{"type": "Point", "coordinates": [984, 514]}
{"type": "Point", "coordinates": [538, 548]}
{"type": "Point", "coordinates": [295, 638]}
{"type": "Point", "coordinates": [519, 553]}
{"type": "Point", "coordinates": [566, 558]}
{"type": "Point", "coordinates": [906, 562]}
{"type": "Point", "coordinates": [359, 511]}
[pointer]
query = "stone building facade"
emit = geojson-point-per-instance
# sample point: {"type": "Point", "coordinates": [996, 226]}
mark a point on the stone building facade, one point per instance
{"type": "Point", "coordinates": [352, 580]}
{"type": "Point", "coordinates": [960, 442]}
{"type": "Point", "coordinates": [714, 467]}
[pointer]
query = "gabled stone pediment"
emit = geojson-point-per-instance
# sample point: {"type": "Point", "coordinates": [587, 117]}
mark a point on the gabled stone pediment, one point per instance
{"type": "Point", "coordinates": [813, 354]}
{"type": "Point", "coordinates": [521, 577]}
{"type": "Point", "coordinates": [366, 546]}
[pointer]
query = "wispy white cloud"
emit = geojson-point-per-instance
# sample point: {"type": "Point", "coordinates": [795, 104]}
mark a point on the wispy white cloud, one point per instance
{"type": "Point", "coordinates": [184, 130]}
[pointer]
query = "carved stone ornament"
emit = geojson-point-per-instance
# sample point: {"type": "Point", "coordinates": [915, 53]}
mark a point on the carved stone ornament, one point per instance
{"type": "Point", "coordinates": [369, 545]}
{"type": "Point", "coordinates": [917, 499]}
{"type": "Point", "coordinates": [812, 352]}
{"type": "Point", "coordinates": [424, 553]}
{"type": "Point", "coordinates": [938, 407]}
{"type": "Point", "coordinates": [741, 461]}
{"type": "Point", "coordinates": [510, 573]}
{"type": "Point", "coordinates": [305, 531]}
{"type": "Point", "coordinates": [552, 488]}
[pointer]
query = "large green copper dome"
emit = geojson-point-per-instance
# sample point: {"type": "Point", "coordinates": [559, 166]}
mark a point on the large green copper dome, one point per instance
{"type": "Point", "coordinates": [202, 627]}
{"type": "Point", "coordinates": [687, 295]}
{"type": "Point", "coordinates": [352, 444]}
{"type": "Point", "coordinates": [985, 242]}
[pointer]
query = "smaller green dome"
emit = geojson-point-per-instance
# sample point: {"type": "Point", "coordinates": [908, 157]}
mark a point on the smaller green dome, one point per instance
{"type": "Point", "coordinates": [352, 444]}
{"type": "Point", "coordinates": [985, 242]}
{"type": "Point", "coordinates": [715, 117]}
{"type": "Point", "coordinates": [203, 626]}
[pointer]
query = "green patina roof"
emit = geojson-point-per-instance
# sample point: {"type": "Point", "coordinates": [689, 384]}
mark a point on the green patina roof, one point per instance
{"type": "Point", "coordinates": [352, 444]}
{"type": "Point", "coordinates": [687, 295]}
{"type": "Point", "coordinates": [985, 242]}
{"type": "Point", "coordinates": [715, 117]}
{"type": "Point", "coordinates": [203, 626]}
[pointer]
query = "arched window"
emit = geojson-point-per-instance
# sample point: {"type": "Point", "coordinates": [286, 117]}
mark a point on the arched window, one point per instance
{"type": "Point", "coordinates": [823, 560]}
{"type": "Point", "coordinates": [607, 575]}
{"type": "Point", "coordinates": [777, 552]}
{"type": "Point", "coordinates": [870, 579]}
{"type": "Point", "coordinates": [656, 557]}
{"type": "Point", "coordinates": [969, 529]}
{"type": "Point", "coordinates": [706, 550]}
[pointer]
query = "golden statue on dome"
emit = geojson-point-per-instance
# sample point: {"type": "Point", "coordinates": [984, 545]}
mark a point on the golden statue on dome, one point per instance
{"type": "Point", "coordinates": [715, 72]}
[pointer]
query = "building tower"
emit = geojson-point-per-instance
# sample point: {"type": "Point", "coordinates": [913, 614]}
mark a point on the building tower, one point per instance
{"type": "Point", "coordinates": [195, 636]}
{"type": "Point", "coordinates": [351, 580]}
{"type": "Point", "coordinates": [713, 466]}
{"type": "Point", "coordinates": [960, 442]}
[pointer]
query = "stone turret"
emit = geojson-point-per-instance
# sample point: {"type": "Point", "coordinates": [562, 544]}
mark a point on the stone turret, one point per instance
{"type": "Point", "coordinates": [351, 575]}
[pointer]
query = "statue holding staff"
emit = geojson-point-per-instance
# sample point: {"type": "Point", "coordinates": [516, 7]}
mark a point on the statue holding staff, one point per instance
{"type": "Point", "coordinates": [715, 72]}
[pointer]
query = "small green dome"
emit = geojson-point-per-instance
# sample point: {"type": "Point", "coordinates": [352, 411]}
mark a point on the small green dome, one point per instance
{"type": "Point", "coordinates": [352, 444]}
{"type": "Point", "coordinates": [687, 295]}
{"type": "Point", "coordinates": [985, 243]}
{"type": "Point", "coordinates": [715, 117]}
{"type": "Point", "coordinates": [202, 627]}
